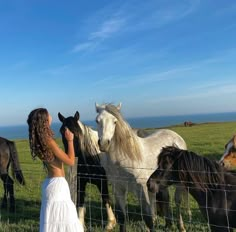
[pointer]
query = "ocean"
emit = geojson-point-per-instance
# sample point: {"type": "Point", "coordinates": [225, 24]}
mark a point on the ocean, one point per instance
{"type": "Point", "coordinates": [21, 131]}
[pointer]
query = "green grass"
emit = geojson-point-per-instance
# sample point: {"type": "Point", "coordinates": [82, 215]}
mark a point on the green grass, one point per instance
{"type": "Point", "coordinates": [204, 139]}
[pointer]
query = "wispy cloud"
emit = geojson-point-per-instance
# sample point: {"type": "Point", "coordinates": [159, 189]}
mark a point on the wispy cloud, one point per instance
{"type": "Point", "coordinates": [60, 70]}
{"type": "Point", "coordinates": [116, 82]}
{"type": "Point", "coordinates": [154, 14]}
{"type": "Point", "coordinates": [87, 46]}
{"type": "Point", "coordinates": [134, 16]}
{"type": "Point", "coordinates": [21, 65]}
{"type": "Point", "coordinates": [102, 81]}
{"type": "Point", "coordinates": [217, 91]}
{"type": "Point", "coordinates": [165, 75]}
{"type": "Point", "coordinates": [183, 69]}
{"type": "Point", "coordinates": [172, 73]}
{"type": "Point", "coordinates": [229, 8]}
{"type": "Point", "coordinates": [107, 29]}
{"type": "Point", "coordinates": [224, 85]}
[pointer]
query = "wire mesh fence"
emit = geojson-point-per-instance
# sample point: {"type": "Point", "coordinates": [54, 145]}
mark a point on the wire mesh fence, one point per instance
{"type": "Point", "coordinates": [28, 200]}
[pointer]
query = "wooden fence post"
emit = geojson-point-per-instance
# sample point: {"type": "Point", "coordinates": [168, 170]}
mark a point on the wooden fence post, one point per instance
{"type": "Point", "coordinates": [72, 180]}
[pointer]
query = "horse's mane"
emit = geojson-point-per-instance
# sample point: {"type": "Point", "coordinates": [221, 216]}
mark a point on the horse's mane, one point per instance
{"type": "Point", "coordinates": [125, 139]}
{"type": "Point", "coordinates": [203, 172]}
{"type": "Point", "coordinates": [88, 144]}
{"type": "Point", "coordinates": [233, 140]}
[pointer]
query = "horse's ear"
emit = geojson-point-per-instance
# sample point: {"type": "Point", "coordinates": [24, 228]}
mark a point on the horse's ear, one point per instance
{"type": "Point", "coordinates": [61, 117]}
{"type": "Point", "coordinates": [96, 106]}
{"type": "Point", "coordinates": [77, 115]}
{"type": "Point", "coordinates": [234, 141]}
{"type": "Point", "coordinates": [118, 106]}
{"type": "Point", "coordinates": [99, 107]}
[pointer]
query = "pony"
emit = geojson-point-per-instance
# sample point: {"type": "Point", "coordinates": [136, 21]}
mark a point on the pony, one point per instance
{"type": "Point", "coordinates": [229, 157]}
{"type": "Point", "coordinates": [89, 169]}
{"type": "Point", "coordinates": [188, 123]}
{"type": "Point", "coordinates": [208, 182]}
{"type": "Point", "coordinates": [130, 162]}
{"type": "Point", "coordinates": [9, 156]}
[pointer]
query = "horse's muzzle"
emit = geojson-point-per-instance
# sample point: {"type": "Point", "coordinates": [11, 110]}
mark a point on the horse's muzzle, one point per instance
{"type": "Point", "coordinates": [103, 145]}
{"type": "Point", "coordinates": [227, 164]}
{"type": "Point", "coordinates": [152, 186]}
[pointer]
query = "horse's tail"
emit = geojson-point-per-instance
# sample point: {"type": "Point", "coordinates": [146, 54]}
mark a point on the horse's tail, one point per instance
{"type": "Point", "coordinates": [17, 173]}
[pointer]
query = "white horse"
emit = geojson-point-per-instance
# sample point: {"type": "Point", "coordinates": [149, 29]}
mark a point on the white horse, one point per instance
{"type": "Point", "coordinates": [132, 160]}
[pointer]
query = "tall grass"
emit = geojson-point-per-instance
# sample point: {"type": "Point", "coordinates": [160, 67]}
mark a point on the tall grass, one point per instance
{"type": "Point", "coordinates": [204, 139]}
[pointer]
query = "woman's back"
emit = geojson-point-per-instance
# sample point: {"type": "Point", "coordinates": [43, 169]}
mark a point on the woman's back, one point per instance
{"type": "Point", "coordinates": [55, 168]}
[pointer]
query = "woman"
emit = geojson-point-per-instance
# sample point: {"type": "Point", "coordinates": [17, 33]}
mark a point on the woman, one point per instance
{"type": "Point", "coordinates": [58, 212]}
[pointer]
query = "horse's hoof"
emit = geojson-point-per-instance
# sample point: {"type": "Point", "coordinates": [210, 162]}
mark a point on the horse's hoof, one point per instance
{"type": "Point", "coordinates": [110, 225]}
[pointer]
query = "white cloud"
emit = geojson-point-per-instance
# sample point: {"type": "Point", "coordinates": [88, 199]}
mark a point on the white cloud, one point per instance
{"type": "Point", "coordinates": [85, 46]}
{"type": "Point", "coordinates": [153, 14]}
{"type": "Point", "coordinates": [211, 92]}
{"type": "Point", "coordinates": [108, 28]}
{"type": "Point", "coordinates": [133, 16]}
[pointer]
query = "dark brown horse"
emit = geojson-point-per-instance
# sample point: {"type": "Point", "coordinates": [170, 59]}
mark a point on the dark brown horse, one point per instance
{"type": "Point", "coordinates": [9, 155]}
{"type": "Point", "coordinates": [188, 123]}
{"type": "Point", "coordinates": [212, 186]}
{"type": "Point", "coordinates": [89, 168]}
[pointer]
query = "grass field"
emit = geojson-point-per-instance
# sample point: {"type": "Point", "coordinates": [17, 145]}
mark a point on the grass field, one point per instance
{"type": "Point", "coordinates": [205, 139]}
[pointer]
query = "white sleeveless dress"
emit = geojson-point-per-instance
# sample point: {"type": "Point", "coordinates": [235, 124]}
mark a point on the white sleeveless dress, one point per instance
{"type": "Point", "coordinates": [58, 212]}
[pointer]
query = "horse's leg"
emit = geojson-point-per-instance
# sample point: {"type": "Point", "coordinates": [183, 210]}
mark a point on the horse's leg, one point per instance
{"type": "Point", "coordinates": [81, 186]}
{"type": "Point", "coordinates": [8, 191]}
{"type": "Point", "coordinates": [10, 185]}
{"type": "Point", "coordinates": [4, 200]}
{"type": "Point", "coordinates": [152, 198]}
{"type": "Point", "coordinates": [120, 200]}
{"type": "Point", "coordinates": [163, 201]}
{"type": "Point", "coordinates": [178, 199]}
{"type": "Point", "coordinates": [103, 188]}
{"type": "Point", "coordinates": [146, 207]}
{"type": "Point", "coordinates": [185, 196]}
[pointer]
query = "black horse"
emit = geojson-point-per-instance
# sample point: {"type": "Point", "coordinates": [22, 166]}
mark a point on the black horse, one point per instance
{"type": "Point", "coordinates": [213, 187]}
{"type": "Point", "coordinates": [89, 168]}
{"type": "Point", "coordinates": [9, 155]}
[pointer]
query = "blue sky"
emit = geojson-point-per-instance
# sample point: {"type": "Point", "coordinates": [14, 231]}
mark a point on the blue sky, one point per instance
{"type": "Point", "coordinates": [156, 57]}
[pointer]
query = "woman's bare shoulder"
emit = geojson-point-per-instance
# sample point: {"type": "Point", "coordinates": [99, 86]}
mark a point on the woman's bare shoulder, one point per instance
{"type": "Point", "coordinates": [51, 143]}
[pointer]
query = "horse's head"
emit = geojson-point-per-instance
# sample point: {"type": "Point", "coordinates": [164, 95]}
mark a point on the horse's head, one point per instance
{"type": "Point", "coordinates": [165, 174]}
{"type": "Point", "coordinates": [229, 158]}
{"type": "Point", "coordinates": [106, 125]}
{"type": "Point", "coordinates": [72, 123]}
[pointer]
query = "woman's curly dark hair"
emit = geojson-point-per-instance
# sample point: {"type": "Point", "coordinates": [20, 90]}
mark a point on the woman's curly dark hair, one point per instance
{"type": "Point", "coordinates": [39, 133]}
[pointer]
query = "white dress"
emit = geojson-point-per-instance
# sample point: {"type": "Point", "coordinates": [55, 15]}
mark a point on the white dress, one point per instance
{"type": "Point", "coordinates": [58, 212]}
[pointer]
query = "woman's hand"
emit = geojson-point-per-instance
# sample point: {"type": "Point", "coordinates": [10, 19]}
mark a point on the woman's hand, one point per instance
{"type": "Point", "coordinates": [69, 135]}
{"type": "Point", "coordinates": [68, 157]}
